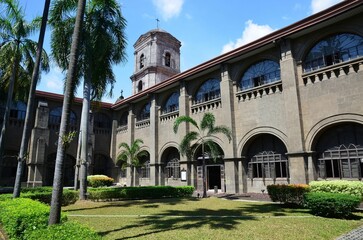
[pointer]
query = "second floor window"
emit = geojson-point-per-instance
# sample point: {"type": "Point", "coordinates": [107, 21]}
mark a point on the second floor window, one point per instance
{"type": "Point", "coordinates": [209, 90]}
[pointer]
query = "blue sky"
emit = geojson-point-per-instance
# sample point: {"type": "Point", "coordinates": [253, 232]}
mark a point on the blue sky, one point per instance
{"type": "Point", "coordinates": [205, 28]}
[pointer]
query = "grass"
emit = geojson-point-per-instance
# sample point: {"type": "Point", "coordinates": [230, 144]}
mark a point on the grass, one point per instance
{"type": "Point", "coordinates": [210, 218]}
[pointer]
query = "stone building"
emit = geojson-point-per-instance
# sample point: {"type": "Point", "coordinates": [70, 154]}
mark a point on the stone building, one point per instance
{"type": "Point", "coordinates": [293, 100]}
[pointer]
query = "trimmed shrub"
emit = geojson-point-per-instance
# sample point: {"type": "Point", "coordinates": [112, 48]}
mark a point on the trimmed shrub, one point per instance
{"type": "Point", "coordinates": [7, 196]}
{"type": "Point", "coordinates": [331, 204]}
{"type": "Point", "coordinates": [99, 181]}
{"type": "Point", "coordinates": [140, 192]}
{"type": "Point", "coordinates": [20, 216]}
{"type": "Point", "coordinates": [68, 230]}
{"type": "Point", "coordinates": [68, 196]}
{"type": "Point", "coordinates": [288, 194]}
{"type": "Point", "coordinates": [354, 188]}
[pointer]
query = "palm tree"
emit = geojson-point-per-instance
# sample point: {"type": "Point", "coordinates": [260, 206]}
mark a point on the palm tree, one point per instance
{"type": "Point", "coordinates": [203, 137]}
{"type": "Point", "coordinates": [131, 156]}
{"type": "Point", "coordinates": [56, 203]}
{"type": "Point", "coordinates": [17, 54]}
{"type": "Point", "coordinates": [103, 44]}
{"type": "Point", "coordinates": [34, 80]}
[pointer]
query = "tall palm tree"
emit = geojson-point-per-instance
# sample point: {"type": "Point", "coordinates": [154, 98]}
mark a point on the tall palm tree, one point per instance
{"type": "Point", "coordinates": [34, 80]}
{"type": "Point", "coordinates": [56, 202]}
{"type": "Point", "coordinates": [103, 44]}
{"type": "Point", "coordinates": [203, 137]}
{"type": "Point", "coordinates": [131, 155]}
{"type": "Point", "coordinates": [17, 54]}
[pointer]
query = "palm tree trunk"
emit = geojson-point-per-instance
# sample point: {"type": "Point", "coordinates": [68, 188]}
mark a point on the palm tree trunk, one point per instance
{"type": "Point", "coordinates": [55, 207]}
{"type": "Point", "coordinates": [33, 84]}
{"type": "Point", "coordinates": [8, 105]}
{"type": "Point", "coordinates": [76, 169]}
{"type": "Point", "coordinates": [84, 134]}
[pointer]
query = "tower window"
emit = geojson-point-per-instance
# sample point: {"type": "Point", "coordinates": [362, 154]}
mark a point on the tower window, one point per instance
{"type": "Point", "coordinates": [167, 59]}
{"type": "Point", "coordinates": [142, 61]}
{"type": "Point", "coordinates": [139, 86]}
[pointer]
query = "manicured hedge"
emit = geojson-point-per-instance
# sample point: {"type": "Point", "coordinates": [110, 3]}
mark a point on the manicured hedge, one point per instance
{"type": "Point", "coordinates": [44, 195]}
{"type": "Point", "coordinates": [331, 204]}
{"type": "Point", "coordinates": [288, 193]}
{"type": "Point", "coordinates": [20, 216]}
{"type": "Point", "coordinates": [140, 192]}
{"type": "Point", "coordinates": [354, 188]}
{"type": "Point", "coordinates": [66, 231]}
{"type": "Point", "coordinates": [99, 181]}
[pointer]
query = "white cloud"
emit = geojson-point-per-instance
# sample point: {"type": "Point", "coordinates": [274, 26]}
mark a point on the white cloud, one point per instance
{"type": "Point", "coordinates": [251, 32]}
{"type": "Point", "coordinates": [168, 8]}
{"type": "Point", "coordinates": [54, 80]}
{"type": "Point", "coordinates": [319, 5]}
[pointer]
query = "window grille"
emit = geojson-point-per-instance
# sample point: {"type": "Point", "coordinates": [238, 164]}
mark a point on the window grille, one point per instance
{"type": "Point", "coordinates": [333, 50]}
{"type": "Point", "coordinates": [341, 162]}
{"type": "Point", "coordinates": [268, 165]}
{"type": "Point", "coordinates": [209, 90]}
{"type": "Point", "coordinates": [145, 170]}
{"type": "Point", "coordinates": [172, 169]}
{"type": "Point", "coordinates": [172, 104]}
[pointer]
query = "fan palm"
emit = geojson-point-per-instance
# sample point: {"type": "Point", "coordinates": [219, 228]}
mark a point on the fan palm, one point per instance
{"type": "Point", "coordinates": [17, 54]}
{"type": "Point", "coordinates": [131, 155]}
{"type": "Point", "coordinates": [102, 45]}
{"type": "Point", "coordinates": [203, 137]}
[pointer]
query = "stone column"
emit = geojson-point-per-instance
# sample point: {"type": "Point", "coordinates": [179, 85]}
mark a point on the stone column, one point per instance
{"type": "Point", "coordinates": [129, 138]}
{"type": "Point", "coordinates": [230, 149]}
{"type": "Point", "coordinates": [290, 81]}
{"type": "Point", "coordinates": [154, 156]}
{"type": "Point", "coordinates": [113, 151]}
{"type": "Point", "coordinates": [39, 141]}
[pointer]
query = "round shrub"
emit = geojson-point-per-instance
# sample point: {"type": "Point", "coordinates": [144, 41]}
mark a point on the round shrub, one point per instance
{"type": "Point", "coordinates": [65, 231]}
{"type": "Point", "coordinates": [291, 194]}
{"type": "Point", "coordinates": [99, 181]}
{"type": "Point", "coordinates": [331, 204]}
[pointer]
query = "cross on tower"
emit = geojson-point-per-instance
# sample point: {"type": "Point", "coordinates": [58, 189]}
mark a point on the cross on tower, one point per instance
{"type": "Point", "coordinates": [157, 23]}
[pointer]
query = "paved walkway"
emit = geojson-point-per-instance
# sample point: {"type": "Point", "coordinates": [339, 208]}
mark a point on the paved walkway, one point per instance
{"type": "Point", "coordinates": [356, 234]}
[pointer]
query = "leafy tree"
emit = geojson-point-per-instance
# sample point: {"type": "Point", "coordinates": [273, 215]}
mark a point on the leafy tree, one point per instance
{"type": "Point", "coordinates": [56, 202]}
{"type": "Point", "coordinates": [203, 137]}
{"type": "Point", "coordinates": [17, 54]}
{"type": "Point", "coordinates": [34, 80]}
{"type": "Point", "coordinates": [131, 155]}
{"type": "Point", "coordinates": [103, 44]}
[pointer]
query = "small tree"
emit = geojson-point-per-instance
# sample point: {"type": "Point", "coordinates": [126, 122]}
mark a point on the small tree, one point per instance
{"type": "Point", "coordinates": [203, 137]}
{"type": "Point", "coordinates": [131, 155]}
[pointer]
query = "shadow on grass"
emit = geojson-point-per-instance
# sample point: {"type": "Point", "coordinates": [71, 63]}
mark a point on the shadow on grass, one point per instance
{"type": "Point", "coordinates": [185, 220]}
{"type": "Point", "coordinates": [145, 203]}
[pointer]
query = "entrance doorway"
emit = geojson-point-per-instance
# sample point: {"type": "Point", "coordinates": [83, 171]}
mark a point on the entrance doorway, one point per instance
{"type": "Point", "coordinates": [213, 177]}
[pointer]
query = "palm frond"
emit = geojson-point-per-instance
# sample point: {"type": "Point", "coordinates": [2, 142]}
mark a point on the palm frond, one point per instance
{"type": "Point", "coordinates": [207, 121]}
{"type": "Point", "coordinates": [184, 119]}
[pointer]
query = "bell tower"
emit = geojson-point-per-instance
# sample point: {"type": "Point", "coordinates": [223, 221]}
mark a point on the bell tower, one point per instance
{"type": "Point", "coordinates": [156, 58]}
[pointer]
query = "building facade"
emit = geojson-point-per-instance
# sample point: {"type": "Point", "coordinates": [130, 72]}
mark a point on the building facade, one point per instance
{"type": "Point", "coordinates": [293, 100]}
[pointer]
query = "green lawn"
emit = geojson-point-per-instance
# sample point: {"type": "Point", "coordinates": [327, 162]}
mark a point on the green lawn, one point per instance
{"type": "Point", "coordinates": [210, 218]}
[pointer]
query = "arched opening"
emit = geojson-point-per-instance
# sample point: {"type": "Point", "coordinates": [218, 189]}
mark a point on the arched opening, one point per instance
{"type": "Point", "coordinates": [214, 169]}
{"type": "Point", "coordinates": [171, 166]}
{"type": "Point", "coordinates": [209, 90]}
{"type": "Point", "coordinates": [260, 73]}
{"type": "Point", "coordinates": [139, 86]}
{"type": "Point", "coordinates": [142, 61]}
{"type": "Point", "coordinates": [167, 59]}
{"type": "Point", "coordinates": [339, 152]}
{"type": "Point", "coordinates": [172, 103]}
{"type": "Point", "coordinates": [264, 162]}
{"type": "Point", "coordinates": [102, 165]}
{"type": "Point", "coordinates": [69, 165]}
{"type": "Point", "coordinates": [333, 50]}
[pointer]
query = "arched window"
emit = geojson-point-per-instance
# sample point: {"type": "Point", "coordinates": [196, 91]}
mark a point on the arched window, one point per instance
{"type": "Point", "coordinates": [145, 170]}
{"type": "Point", "coordinates": [139, 86]}
{"type": "Point", "coordinates": [167, 59]}
{"type": "Point", "coordinates": [172, 104]}
{"type": "Point", "coordinates": [260, 73]}
{"type": "Point", "coordinates": [142, 61]}
{"type": "Point", "coordinates": [18, 110]}
{"type": "Point", "coordinates": [144, 113]}
{"type": "Point", "coordinates": [209, 90]}
{"type": "Point", "coordinates": [332, 50]}
{"type": "Point", "coordinates": [172, 168]}
{"type": "Point", "coordinates": [124, 119]}
{"type": "Point", "coordinates": [55, 116]}
{"type": "Point", "coordinates": [101, 121]}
